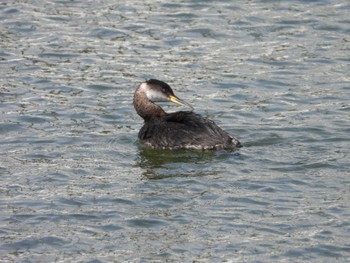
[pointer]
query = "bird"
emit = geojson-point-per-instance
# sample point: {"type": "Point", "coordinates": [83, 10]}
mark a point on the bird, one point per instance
{"type": "Point", "coordinates": [177, 130]}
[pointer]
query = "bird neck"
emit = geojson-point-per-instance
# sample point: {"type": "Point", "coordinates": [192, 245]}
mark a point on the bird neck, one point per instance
{"type": "Point", "coordinates": [146, 108]}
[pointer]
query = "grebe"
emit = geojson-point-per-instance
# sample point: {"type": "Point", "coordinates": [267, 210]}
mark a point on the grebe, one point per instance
{"type": "Point", "coordinates": [178, 130]}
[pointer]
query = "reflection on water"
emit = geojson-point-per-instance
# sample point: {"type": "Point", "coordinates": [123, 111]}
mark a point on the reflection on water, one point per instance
{"type": "Point", "coordinates": [76, 187]}
{"type": "Point", "coordinates": [158, 164]}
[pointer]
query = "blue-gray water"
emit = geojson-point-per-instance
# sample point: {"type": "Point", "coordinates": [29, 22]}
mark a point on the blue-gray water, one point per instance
{"type": "Point", "coordinates": [76, 187]}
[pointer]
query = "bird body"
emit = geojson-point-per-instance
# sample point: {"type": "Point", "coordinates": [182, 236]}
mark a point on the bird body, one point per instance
{"type": "Point", "coordinates": [178, 130]}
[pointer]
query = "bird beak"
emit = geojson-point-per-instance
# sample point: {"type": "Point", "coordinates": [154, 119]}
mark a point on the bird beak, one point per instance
{"type": "Point", "coordinates": [178, 101]}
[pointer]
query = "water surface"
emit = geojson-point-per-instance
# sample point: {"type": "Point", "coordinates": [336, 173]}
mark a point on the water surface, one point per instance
{"type": "Point", "coordinates": [76, 186]}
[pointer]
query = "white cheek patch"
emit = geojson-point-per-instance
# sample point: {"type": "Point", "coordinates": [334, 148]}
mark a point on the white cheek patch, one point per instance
{"type": "Point", "coordinates": [155, 96]}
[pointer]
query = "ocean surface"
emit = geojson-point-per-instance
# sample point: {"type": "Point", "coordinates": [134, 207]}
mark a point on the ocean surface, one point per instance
{"type": "Point", "coordinates": [77, 187]}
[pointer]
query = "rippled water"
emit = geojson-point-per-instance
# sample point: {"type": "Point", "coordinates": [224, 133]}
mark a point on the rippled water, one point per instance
{"type": "Point", "coordinates": [75, 185]}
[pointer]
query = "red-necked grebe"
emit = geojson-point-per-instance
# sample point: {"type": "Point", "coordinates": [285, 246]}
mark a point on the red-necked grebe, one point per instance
{"type": "Point", "coordinates": [178, 130]}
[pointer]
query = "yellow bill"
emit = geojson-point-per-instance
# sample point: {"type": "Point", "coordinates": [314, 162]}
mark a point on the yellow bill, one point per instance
{"type": "Point", "coordinates": [178, 101]}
